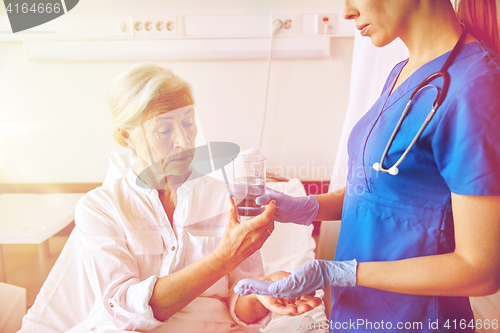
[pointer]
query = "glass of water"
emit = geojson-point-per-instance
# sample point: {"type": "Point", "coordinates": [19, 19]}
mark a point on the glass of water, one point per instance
{"type": "Point", "coordinates": [249, 173]}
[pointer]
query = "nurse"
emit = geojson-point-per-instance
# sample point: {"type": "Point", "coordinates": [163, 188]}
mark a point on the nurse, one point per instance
{"type": "Point", "coordinates": [414, 246]}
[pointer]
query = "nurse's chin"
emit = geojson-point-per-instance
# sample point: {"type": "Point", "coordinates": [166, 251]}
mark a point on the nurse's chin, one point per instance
{"type": "Point", "coordinates": [380, 42]}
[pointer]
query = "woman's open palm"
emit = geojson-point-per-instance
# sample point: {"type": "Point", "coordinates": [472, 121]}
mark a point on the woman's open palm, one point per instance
{"type": "Point", "coordinates": [287, 306]}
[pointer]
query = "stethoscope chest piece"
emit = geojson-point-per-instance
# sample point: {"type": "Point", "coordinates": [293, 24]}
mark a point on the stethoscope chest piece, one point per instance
{"type": "Point", "coordinates": [392, 170]}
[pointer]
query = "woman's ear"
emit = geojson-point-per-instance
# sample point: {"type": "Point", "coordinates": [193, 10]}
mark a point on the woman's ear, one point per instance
{"type": "Point", "coordinates": [126, 137]}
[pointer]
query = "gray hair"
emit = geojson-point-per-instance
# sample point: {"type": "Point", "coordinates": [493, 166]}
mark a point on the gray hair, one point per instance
{"type": "Point", "coordinates": [133, 91]}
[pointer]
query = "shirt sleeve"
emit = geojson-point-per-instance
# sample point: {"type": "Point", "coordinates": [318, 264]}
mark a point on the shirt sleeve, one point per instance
{"type": "Point", "coordinates": [112, 271]}
{"type": "Point", "coordinates": [253, 267]}
{"type": "Point", "coordinates": [466, 143]}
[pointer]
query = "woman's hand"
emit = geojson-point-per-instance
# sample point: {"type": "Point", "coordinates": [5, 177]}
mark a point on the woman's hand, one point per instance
{"type": "Point", "coordinates": [286, 306]}
{"type": "Point", "coordinates": [242, 239]}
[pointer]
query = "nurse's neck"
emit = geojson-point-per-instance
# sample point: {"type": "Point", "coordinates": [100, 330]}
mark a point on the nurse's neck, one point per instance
{"type": "Point", "coordinates": [431, 31]}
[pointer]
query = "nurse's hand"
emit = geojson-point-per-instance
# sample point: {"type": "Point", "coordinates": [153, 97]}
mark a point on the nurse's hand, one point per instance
{"type": "Point", "coordinates": [241, 240]}
{"type": "Point", "coordinates": [299, 210]}
{"type": "Point", "coordinates": [305, 279]}
{"type": "Point", "coordinates": [286, 306]}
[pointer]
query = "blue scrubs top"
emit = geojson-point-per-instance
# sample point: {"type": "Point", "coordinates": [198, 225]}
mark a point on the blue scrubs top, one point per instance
{"type": "Point", "coordinates": [409, 215]}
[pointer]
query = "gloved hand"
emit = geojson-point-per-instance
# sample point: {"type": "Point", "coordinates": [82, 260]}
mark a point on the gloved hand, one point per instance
{"type": "Point", "coordinates": [299, 210]}
{"type": "Point", "coordinates": [305, 279]}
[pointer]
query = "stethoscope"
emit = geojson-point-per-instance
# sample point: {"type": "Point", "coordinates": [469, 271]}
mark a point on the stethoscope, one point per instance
{"type": "Point", "coordinates": [440, 96]}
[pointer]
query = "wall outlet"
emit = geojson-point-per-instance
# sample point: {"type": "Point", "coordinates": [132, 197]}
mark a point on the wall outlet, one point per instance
{"type": "Point", "coordinates": [289, 22]}
{"type": "Point", "coordinates": [154, 26]}
{"type": "Point", "coordinates": [325, 23]}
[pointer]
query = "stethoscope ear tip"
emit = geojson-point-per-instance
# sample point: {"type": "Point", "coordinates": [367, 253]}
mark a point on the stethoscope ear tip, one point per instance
{"type": "Point", "coordinates": [376, 166]}
{"type": "Point", "coordinates": [393, 171]}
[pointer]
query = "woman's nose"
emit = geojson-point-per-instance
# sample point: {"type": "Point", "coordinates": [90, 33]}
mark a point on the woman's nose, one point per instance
{"type": "Point", "coordinates": [350, 12]}
{"type": "Point", "coordinates": [181, 138]}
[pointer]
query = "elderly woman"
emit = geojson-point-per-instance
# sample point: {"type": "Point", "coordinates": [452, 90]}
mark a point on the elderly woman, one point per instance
{"type": "Point", "coordinates": [157, 247]}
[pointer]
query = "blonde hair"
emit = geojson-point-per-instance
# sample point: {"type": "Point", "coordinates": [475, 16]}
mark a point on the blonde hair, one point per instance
{"type": "Point", "coordinates": [133, 91]}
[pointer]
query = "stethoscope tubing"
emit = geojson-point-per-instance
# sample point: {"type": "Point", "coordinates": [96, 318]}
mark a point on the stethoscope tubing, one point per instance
{"type": "Point", "coordinates": [394, 169]}
{"type": "Point", "coordinates": [440, 97]}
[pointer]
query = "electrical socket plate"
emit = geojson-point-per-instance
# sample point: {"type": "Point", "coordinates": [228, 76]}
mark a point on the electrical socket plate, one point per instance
{"type": "Point", "coordinates": [323, 20]}
{"type": "Point", "coordinates": [290, 24]}
{"type": "Point", "coordinates": [154, 26]}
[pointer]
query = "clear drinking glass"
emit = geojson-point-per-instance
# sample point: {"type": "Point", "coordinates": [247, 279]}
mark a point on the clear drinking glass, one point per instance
{"type": "Point", "coordinates": [249, 173]}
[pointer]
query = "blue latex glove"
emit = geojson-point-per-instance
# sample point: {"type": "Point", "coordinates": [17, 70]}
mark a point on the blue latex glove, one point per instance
{"type": "Point", "coordinates": [305, 279]}
{"type": "Point", "coordinates": [299, 210]}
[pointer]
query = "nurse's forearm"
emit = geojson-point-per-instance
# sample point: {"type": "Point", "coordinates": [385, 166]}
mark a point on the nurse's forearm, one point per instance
{"type": "Point", "coordinates": [174, 291]}
{"type": "Point", "coordinates": [473, 269]}
{"type": "Point", "coordinates": [437, 275]}
{"type": "Point", "coordinates": [330, 205]}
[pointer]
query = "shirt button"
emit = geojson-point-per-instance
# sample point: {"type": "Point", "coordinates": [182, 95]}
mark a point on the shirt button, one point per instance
{"type": "Point", "coordinates": [172, 248]}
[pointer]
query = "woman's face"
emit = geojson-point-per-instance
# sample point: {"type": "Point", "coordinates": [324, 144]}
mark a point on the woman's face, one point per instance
{"type": "Point", "coordinates": [166, 141]}
{"type": "Point", "coordinates": [381, 20]}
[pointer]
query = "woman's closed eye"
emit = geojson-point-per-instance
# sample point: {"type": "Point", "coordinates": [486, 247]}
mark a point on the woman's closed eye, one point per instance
{"type": "Point", "coordinates": [165, 130]}
{"type": "Point", "coordinates": [188, 122]}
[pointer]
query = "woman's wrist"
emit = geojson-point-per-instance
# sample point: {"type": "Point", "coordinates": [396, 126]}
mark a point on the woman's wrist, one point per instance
{"type": "Point", "coordinates": [250, 309]}
{"type": "Point", "coordinates": [220, 261]}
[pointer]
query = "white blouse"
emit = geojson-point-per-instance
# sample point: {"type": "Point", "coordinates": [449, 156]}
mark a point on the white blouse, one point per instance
{"type": "Point", "coordinates": [127, 242]}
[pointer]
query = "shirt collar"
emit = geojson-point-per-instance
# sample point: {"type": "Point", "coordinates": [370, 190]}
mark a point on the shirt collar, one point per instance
{"type": "Point", "coordinates": [142, 187]}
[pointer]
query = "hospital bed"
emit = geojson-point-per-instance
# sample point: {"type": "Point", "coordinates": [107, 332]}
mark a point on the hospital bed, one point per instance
{"type": "Point", "coordinates": [66, 297]}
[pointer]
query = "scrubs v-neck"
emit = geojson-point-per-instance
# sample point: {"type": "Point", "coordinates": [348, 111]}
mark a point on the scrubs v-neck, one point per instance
{"type": "Point", "coordinates": [409, 215]}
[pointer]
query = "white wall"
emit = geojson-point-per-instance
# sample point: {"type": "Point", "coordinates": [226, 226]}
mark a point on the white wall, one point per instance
{"type": "Point", "coordinates": [54, 122]}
